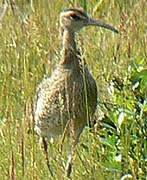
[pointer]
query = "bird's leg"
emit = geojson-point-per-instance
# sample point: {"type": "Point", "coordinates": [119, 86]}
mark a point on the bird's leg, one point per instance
{"type": "Point", "coordinates": [74, 138]}
{"type": "Point", "coordinates": [45, 146]}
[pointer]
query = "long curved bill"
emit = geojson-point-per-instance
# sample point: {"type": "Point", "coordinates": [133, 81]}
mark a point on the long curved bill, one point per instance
{"type": "Point", "coordinates": [94, 22]}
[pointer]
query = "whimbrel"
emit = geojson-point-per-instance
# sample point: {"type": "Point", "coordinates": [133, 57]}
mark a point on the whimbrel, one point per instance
{"type": "Point", "coordinates": [70, 93]}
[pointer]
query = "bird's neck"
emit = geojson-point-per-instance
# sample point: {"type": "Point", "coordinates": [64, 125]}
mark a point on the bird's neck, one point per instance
{"type": "Point", "coordinates": [70, 54]}
{"type": "Point", "coordinates": [69, 40]}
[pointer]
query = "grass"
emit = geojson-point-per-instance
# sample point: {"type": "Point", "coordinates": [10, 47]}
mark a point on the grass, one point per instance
{"type": "Point", "coordinates": [29, 49]}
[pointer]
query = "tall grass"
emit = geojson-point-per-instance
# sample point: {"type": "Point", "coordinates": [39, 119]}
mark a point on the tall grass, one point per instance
{"type": "Point", "coordinates": [29, 49]}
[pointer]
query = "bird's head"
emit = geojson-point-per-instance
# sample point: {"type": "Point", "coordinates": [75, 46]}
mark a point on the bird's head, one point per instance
{"type": "Point", "coordinates": [75, 19]}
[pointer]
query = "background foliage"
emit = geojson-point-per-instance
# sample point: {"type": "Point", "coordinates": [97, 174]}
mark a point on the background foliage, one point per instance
{"type": "Point", "coordinates": [116, 147]}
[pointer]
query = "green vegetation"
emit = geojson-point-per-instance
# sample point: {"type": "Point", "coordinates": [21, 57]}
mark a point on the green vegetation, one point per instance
{"type": "Point", "coordinates": [29, 49]}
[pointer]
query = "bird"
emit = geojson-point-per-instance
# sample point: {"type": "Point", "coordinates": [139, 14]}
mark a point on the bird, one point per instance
{"type": "Point", "coordinates": [69, 96]}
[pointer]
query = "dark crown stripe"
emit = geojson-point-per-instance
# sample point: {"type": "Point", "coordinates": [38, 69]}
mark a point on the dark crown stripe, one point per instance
{"type": "Point", "coordinates": [82, 13]}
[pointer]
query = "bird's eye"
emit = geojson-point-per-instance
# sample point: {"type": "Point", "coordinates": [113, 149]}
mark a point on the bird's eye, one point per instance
{"type": "Point", "coordinates": [75, 17]}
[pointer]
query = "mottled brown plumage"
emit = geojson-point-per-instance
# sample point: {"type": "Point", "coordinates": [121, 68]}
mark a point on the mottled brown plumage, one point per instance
{"type": "Point", "coordinates": [70, 93]}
